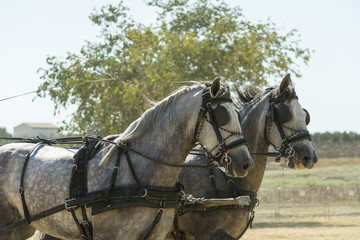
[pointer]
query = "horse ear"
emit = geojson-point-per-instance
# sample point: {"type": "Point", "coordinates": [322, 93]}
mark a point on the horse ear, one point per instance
{"type": "Point", "coordinates": [215, 87]}
{"type": "Point", "coordinates": [285, 83]}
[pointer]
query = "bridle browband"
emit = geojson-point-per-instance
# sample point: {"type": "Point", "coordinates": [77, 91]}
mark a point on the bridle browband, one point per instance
{"type": "Point", "coordinates": [221, 156]}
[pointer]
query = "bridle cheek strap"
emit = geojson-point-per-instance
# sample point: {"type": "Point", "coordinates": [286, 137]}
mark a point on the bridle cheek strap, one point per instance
{"type": "Point", "coordinates": [220, 156]}
{"type": "Point", "coordinates": [286, 148]}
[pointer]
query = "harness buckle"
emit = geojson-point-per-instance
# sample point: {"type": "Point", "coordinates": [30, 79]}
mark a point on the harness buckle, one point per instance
{"type": "Point", "coordinates": [69, 205]}
{"type": "Point", "coordinates": [218, 153]}
{"type": "Point", "coordinates": [230, 182]}
{"type": "Point", "coordinates": [85, 223]}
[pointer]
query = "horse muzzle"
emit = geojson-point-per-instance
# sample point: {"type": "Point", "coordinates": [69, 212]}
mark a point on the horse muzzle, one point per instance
{"type": "Point", "coordinates": [240, 165]}
{"type": "Point", "coordinates": [304, 157]}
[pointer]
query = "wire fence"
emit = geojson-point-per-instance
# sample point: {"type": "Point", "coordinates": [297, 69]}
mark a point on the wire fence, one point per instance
{"type": "Point", "coordinates": [307, 203]}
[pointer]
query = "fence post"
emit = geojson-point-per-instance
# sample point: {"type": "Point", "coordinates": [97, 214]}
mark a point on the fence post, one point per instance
{"type": "Point", "coordinates": [277, 204]}
{"type": "Point", "coordinates": [327, 203]}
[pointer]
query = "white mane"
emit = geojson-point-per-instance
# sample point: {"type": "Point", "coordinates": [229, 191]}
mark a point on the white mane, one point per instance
{"type": "Point", "coordinates": [137, 128]}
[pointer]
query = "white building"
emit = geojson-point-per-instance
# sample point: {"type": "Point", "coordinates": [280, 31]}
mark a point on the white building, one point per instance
{"type": "Point", "coordinates": [30, 130]}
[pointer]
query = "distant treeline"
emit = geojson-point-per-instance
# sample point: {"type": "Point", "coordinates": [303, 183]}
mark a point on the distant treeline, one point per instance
{"type": "Point", "coordinates": [335, 137]}
{"type": "Point", "coordinates": [336, 144]}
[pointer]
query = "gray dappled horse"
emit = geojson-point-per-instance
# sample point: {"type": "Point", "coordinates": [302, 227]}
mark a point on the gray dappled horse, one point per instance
{"type": "Point", "coordinates": [261, 114]}
{"type": "Point", "coordinates": [166, 131]}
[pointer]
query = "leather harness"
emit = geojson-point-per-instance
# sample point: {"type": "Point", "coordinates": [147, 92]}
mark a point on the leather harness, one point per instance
{"type": "Point", "coordinates": [114, 197]}
{"type": "Point", "coordinates": [286, 151]}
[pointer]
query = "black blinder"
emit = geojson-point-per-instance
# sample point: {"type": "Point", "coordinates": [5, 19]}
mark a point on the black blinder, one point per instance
{"type": "Point", "coordinates": [283, 113]}
{"type": "Point", "coordinates": [221, 115]}
{"type": "Point", "coordinates": [307, 118]}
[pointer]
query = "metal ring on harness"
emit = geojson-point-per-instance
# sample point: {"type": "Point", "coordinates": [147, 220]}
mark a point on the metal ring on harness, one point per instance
{"type": "Point", "coordinates": [290, 151]}
{"type": "Point", "coordinates": [145, 194]}
{"type": "Point", "coordinates": [226, 159]}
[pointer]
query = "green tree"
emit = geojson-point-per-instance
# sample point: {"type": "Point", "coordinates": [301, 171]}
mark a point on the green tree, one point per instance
{"type": "Point", "coordinates": [4, 133]}
{"type": "Point", "coordinates": [189, 42]}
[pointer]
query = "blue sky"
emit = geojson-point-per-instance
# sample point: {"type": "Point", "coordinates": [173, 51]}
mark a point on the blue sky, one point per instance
{"type": "Point", "coordinates": [329, 87]}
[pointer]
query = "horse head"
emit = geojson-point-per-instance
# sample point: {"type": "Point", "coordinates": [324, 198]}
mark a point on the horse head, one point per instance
{"type": "Point", "coordinates": [285, 126]}
{"type": "Point", "coordinates": [218, 130]}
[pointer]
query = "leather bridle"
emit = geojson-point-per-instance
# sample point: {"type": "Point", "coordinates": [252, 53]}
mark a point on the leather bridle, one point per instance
{"type": "Point", "coordinates": [286, 148]}
{"type": "Point", "coordinates": [220, 156]}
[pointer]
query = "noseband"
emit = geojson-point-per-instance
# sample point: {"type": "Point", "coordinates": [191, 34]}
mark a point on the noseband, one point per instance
{"type": "Point", "coordinates": [275, 115]}
{"type": "Point", "coordinates": [218, 117]}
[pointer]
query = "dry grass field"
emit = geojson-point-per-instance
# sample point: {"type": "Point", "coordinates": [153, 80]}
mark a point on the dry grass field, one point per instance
{"type": "Point", "coordinates": [307, 222]}
{"type": "Point", "coordinates": [333, 229]}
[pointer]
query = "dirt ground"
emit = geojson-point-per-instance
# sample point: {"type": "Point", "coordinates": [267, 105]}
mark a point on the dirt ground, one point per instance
{"type": "Point", "coordinates": [333, 229]}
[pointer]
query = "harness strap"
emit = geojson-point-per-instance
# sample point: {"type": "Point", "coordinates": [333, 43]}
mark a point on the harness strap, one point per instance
{"type": "Point", "coordinates": [114, 174]}
{"type": "Point", "coordinates": [155, 222]}
{"type": "Point", "coordinates": [207, 100]}
{"type": "Point", "coordinates": [249, 224]}
{"type": "Point", "coordinates": [184, 208]}
{"type": "Point", "coordinates": [176, 233]}
{"type": "Point", "coordinates": [21, 189]}
{"type": "Point", "coordinates": [80, 228]}
{"type": "Point", "coordinates": [215, 127]}
{"type": "Point", "coordinates": [32, 218]}
{"type": "Point", "coordinates": [98, 200]}
{"type": "Point", "coordinates": [212, 182]}
{"type": "Point", "coordinates": [86, 225]}
{"type": "Point", "coordinates": [132, 169]}
{"type": "Point", "coordinates": [230, 183]}
{"type": "Point", "coordinates": [299, 137]}
{"type": "Point", "coordinates": [78, 186]}
{"type": "Point", "coordinates": [286, 149]}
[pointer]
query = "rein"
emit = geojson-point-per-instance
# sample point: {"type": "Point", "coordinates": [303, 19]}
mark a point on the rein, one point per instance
{"type": "Point", "coordinates": [79, 140]}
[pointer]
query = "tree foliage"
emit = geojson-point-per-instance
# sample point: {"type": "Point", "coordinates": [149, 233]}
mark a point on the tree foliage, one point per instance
{"type": "Point", "coordinates": [4, 133]}
{"type": "Point", "coordinates": [337, 144]}
{"type": "Point", "coordinates": [190, 41]}
{"type": "Point", "coordinates": [335, 137]}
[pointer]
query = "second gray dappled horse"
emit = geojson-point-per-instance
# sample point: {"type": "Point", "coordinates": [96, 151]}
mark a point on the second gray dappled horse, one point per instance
{"type": "Point", "coordinates": [273, 117]}
{"type": "Point", "coordinates": [164, 132]}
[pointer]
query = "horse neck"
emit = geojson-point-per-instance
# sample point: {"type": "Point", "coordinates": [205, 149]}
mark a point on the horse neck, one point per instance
{"type": "Point", "coordinates": [168, 141]}
{"type": "Point", "coordinates": [253, 123]}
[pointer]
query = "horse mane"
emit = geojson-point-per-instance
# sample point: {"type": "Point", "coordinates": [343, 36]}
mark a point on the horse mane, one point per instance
{"type": "Point", "coordinates": [247, 95]}
{"type": "Point", "coordinates": [251, 94]}
{"type": "Point", "coordinates": [151, 116]}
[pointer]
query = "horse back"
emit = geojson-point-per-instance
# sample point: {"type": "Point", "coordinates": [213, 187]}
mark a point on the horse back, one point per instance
{"type": "Point", "coordinates": [46, 175]}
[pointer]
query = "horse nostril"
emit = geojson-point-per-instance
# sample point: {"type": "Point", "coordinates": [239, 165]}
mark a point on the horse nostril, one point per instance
{"type": "Point", "coordinates": [306, 160]}
{"type": "Point", "coordinates": [246, 165]}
